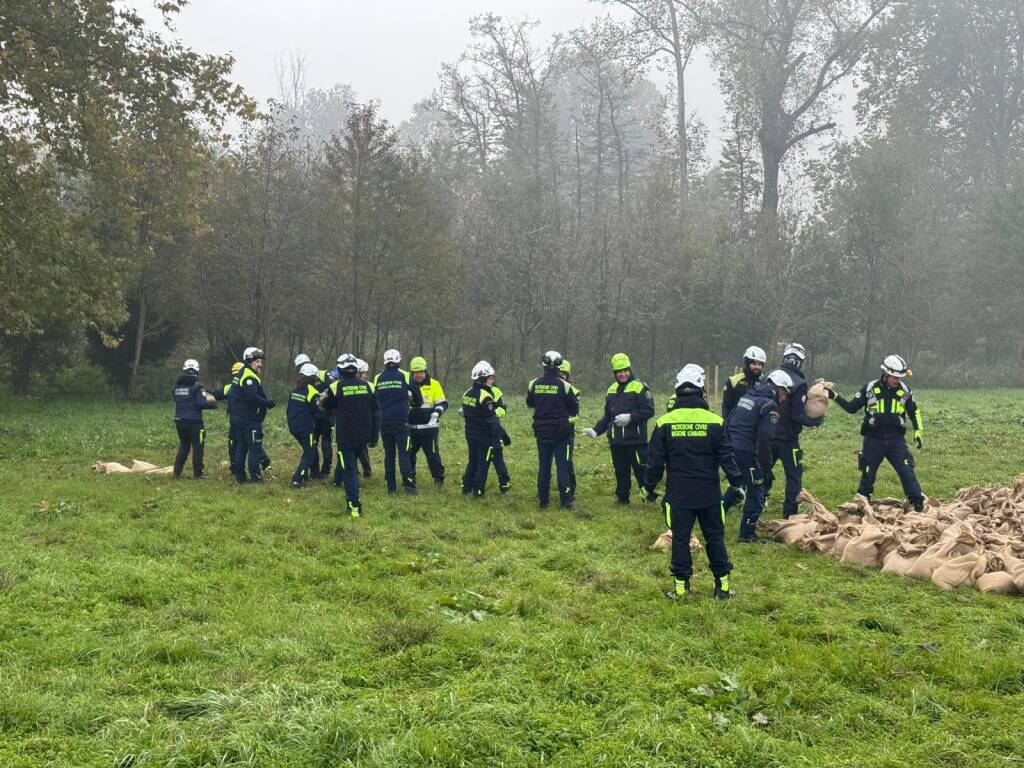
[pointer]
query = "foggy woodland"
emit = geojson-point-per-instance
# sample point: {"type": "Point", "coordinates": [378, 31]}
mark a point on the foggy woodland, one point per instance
{"type": "Point", "coordinates": [548, 193]}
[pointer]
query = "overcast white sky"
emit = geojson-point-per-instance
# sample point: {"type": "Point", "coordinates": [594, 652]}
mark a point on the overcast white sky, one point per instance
{"type": "Point", "coordinates": [390, 51]}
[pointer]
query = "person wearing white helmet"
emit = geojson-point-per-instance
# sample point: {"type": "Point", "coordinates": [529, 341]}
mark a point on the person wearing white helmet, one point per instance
{"type": "Point", "coordinates": [483, 430]}
{"type": "Point", "coordinates": [190, 400]}
{"type": "Point", "coordinates": [739, 384]}
{"type": "Point", "coordinates": [888, 406]}
{"type": "Point", "coordinates": [249, 405]}
{"type": "Point", "coordinates": [689, 445]}
{"type": "Point", "coordinates": [357, 425]}
{"type": "Point", "coordinates": [363, 374]}
{"type": "Point", "coordinates": [396, 392]}
{"type": "Point", "coordinates": [323, 436]}
{"type": "Point", "coordinates": [751, 428]}
{"type": "Point", "coordinates": [303, 405]}
{"type": "Point", "coordinates": [786, 443]}
{"type": "Point", "coordinates": [555, 403]}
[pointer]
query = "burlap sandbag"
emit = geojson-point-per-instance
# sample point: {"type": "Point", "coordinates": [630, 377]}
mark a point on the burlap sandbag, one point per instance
{"type": "Point", "coordinates": [847, 532]}
{"type": "Point", "coordinates": [960, 571]}
{"type": "Point", "coordinates": [110, 468]}
{"type": "Point", "coordinates": [997, 583]}
{"type": "Point", "coordinates": [142, 466]}
{"type": "Point", "coordinates": [664, 543]}
{"type": "Point", "coordinates": [867, 548]}
{"type": "Point", "coordinates": [161, 471]}
{"type": "Point", "coordinates": [902, 559]}
{"type": "Point", "coordinates": [817, 398]}
{"type": "Point", "coordinates": [932, 558]}
{"type": "Point", "coordinates": [789, 531]}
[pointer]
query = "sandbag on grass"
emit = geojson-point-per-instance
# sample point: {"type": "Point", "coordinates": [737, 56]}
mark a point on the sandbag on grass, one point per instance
{"type": "Point", "coordinates": [110, 468]}
{"type": "Point", "coordinates": [142, 466]}
{"type": "Point", "coordinates": [976, 539]}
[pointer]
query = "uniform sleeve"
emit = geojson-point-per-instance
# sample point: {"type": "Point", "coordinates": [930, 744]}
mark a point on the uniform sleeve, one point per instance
{"type": "Point", "coordinates": [201, 402]}
{"type": "Point", "coordinates": [331, 398]}
{"type": "Point", "coordinates": [646, 408]}
{"type": "Point", "coordinates": [531, 401]}
{"type": "Point", "coordinates": [730, 396]}
{"type": "Point", "coordinates": [606, 417]}
{"type": "Point", "coordinates": [251, 392]}
{"type": "Point", "coordinates": [500, 408]}
{"type": "Point", "coordinates": [572, 400]}
{"type": "Point", "coordinates": [915, 414]}
{"type": "Point", "coordinates": [490, 409]}
{"type": "Point", "coordinates": [655, 458]}
{"type": "Point", "coordinates": [858, 402]}
{"type": "Point", "coordinates": [765, 432]}
{"type": "Point", "coordinates": [415, 395]}
{"type": "Point", "coordinates": [375, 427]}
{"type": "Point", "coordinates": [440, 402]}
{"type": "Point", "coordinates": [221, 393]}
{"type": "Point", "coordinates": [725, 457]}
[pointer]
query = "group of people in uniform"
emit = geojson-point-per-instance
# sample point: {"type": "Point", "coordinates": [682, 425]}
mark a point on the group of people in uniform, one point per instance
{"type": "Point", "coordinates": [763, 415]}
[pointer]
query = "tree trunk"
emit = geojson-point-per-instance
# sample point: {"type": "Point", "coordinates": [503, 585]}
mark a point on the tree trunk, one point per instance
{"type": "Point", "coordinates": [134, 388]}
{"type": "Point", "coordinates": [681, 132]}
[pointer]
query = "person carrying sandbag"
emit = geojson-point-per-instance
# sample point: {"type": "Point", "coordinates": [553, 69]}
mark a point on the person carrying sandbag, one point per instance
{"type": "Point", "coordinates": [888, 403]}
{"type": "Point", "coordinates": [786, 443]}
{"type": "Point", "coordinates": [689, 445]}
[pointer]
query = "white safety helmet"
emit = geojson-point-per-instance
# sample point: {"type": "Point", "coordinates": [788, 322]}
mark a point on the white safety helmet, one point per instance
{"type": "Point", "coordinates": [795, 350]}
{"type": "Point", "coordinates": [780, 380]}
{"type": "Point", "coordinates": [308, 369]}
{"type": "Point", "coordinates": [362, 366]}
{"type": "Point", "coordinates": [392, 356]}
{"type": "Point", "coordinates": [190, 365]}
{"type": "Point", "coordinates": [692, 375]}
{"type": "Point", "coordinates": [301, 359]}
{"type": "Point", "coordinates": [894, 365]}
{"type": "Point", "coordinates": [755, 355]}
{"type": "Point", "coordinates": [482, 370]}
{"type": "Point", "coordinates": [348, 362]}
{"type": "Point", "coordinates": [551, 359]}
{"type": "Point", "coordinates": [252, 353]}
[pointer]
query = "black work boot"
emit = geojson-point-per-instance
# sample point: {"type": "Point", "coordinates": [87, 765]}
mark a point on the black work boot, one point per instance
{"type": "Point", "coordinates": [680, 591]}
{"type": "Point", "coordinates": [722, 588]}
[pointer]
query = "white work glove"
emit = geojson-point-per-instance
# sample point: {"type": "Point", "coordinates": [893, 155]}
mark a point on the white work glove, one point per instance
{"type": "Point", "coordinates": [462, 412]}
{"type": "Point", "coordinates": [623, 419]}
{"type": "Point", "coordinates": [435, 419]}
{"type": "Point", "coordinates": [589, 432]}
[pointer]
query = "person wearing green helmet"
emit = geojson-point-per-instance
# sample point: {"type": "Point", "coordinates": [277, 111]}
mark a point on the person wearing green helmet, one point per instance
{"type": "Point", "coordinates": [425, 419]}
{"type": "Point", "coordinates": [565, 371]}
{"type": "Point", "coordinates": [628, 406]}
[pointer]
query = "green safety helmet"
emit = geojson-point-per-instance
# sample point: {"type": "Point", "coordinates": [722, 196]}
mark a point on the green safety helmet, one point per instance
{"type": "Point", "coordinates": [620, 362]}
{"type": "Point", "coordinates": [418, 364]}
{"type": "Point", "coordinates": [565, 367]}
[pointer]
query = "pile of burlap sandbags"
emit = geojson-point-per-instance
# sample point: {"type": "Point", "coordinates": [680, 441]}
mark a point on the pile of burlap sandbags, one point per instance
{"type": "Point", "coordinates": [976, 539]}
{"type": "Point", "coordinates": [138, 467]}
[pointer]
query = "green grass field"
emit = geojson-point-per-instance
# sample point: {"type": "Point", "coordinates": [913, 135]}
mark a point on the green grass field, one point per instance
{"type": "Point", "coordinates": [153, 622]}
